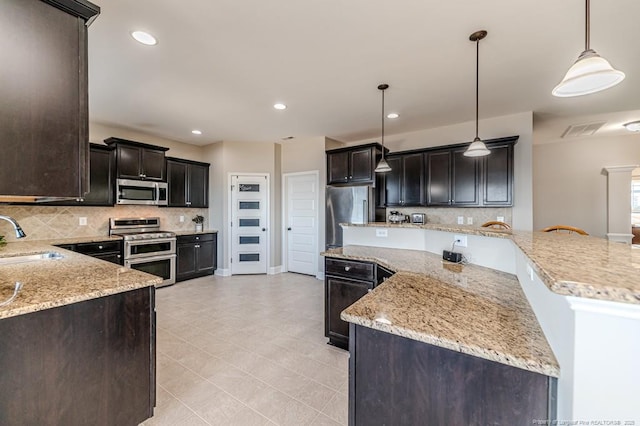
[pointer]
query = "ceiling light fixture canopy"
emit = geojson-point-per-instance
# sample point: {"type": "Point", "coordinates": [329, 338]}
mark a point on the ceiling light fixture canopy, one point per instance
{"type": "Point", "coordinates": [477, 147]}
{"type": "Point", "coordinates": [144, 38]}
{"type": "Point", "coordinates": [633, 126]}
{"type": "Point", "coordinates": [383, 166]}
{"type": "Point", "coordinates": [590, 73]}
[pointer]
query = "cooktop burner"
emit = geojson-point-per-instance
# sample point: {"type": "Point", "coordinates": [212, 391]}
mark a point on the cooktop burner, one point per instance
{"type": "Point", "coordinates": [141, 228]}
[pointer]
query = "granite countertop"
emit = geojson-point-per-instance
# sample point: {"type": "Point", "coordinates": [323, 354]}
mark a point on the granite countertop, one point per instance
{"type": "Point", "coordinates": [57, 282]}
{"type": "Point", "coordinates": [469, 309]}
{"type": "Point", "coordinates": [568, 264]}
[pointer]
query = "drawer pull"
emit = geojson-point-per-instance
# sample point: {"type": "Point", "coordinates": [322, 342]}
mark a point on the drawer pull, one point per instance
{"type": "Point", "coordinates": [347, 268]}
{"type": "Point", "coordinates": [100, 247]}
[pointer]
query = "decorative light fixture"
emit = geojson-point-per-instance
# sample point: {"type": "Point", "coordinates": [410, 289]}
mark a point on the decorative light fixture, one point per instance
{"type": "Point", "coordinates": [633, 126]}
{"type": "Point", "coordinates": [144, 38]}
{"type": "Point", "coordinates": [393, 115]}
{"type": "Point", "coordinates": [591, 73]}
{"type": "Point", "coordinates": [280, 106]}
{"type": "Point", "coordinates": [477, 147]}
{"type": "Point", "coordinates": [383, 166]}
{"type": "Point", "coordinates": [196, 132]}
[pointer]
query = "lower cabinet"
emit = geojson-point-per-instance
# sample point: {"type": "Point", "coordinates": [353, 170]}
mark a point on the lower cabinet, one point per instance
{"type": "Point", "coordinates": [196, 255]}
{"type": "Point", "coordinates": [394, 380]}
{"type": "Point", "coordinates": [346, 281]}
{"type": "Point", "coordinates": [111, 251]}
{"type": "Point", "coordinates": [87, 363]}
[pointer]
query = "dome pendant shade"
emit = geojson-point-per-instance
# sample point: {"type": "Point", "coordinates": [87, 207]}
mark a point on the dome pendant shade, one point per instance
{"type": "Point", "coordinates": [383, 166]}
{"type": "Point", "coordinates": [591, 73]}
{"type": "Point", "coordinates": [477, 149]}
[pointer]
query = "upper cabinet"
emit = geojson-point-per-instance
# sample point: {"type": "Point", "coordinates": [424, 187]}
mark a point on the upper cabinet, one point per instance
{"type": "Point", "coordinates": [43, 98]}
{"type": "Point", "coordinates": [188, 183]}
{"type": "Point", "coordinates": [405, 182]}
{"type": "Point", "coordinates": [452, 178]}
{"type": "Point", "coordinates": [353, 165]}
{"type": "Point", "coordinates": [139, 161]}
{"type": "Point", "coordinates": [497, 173]}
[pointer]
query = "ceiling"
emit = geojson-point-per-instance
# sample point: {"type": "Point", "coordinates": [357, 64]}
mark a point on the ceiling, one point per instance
{"type": "Point", "coordinates": [219, 66]}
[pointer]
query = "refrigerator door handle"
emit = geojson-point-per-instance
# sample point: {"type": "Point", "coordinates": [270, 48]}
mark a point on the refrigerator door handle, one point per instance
{"type": "Point", "coordinates": [365, 212]}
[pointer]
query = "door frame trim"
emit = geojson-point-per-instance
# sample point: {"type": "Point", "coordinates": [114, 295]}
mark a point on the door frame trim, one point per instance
{"type": "Point", "coordinates": [285, 239]}
{"type": "Point", "coordinates": [267, 175]}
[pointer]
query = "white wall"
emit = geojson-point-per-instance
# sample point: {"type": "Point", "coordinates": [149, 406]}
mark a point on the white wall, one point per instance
{"type": "Point", "coordinates": [517, 124]}
{"type": "Point", "coordinates": [569, 186]}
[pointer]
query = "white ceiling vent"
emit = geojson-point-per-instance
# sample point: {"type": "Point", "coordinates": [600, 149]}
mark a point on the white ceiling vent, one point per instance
{"type": "Point", "coordinates": [582, 130]}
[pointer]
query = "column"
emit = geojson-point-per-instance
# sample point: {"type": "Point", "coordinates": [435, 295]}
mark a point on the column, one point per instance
{"type": "Point", "coordinates": [619, 203]}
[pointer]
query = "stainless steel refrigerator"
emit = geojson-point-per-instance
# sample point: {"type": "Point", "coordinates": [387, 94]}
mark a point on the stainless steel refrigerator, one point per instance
{"type": "Point", "coordinates": [349, 204]}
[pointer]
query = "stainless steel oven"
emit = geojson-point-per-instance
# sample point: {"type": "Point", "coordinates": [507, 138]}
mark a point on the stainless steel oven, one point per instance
{"type": "Point", "coordinates": [135, 249]}
{"type": "Point", "coordinates": [162, 266]}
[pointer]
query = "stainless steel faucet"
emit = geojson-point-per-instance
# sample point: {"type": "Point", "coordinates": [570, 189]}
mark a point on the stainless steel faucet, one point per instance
{"type": "Point", "coordinates": [19, 232]}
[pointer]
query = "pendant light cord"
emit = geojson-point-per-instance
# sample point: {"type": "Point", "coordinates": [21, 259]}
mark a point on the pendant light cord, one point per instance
{"type": "Point", "coordinates": [587, 25]}
{"type": "Point", "coordinates": [383, 124]}
{"type": "Point", "coordinates": [477, 81]}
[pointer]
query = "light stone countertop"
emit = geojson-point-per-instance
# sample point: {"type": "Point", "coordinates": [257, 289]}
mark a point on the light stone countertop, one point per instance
{"type": "Point", "coordinates": [468, 309]}
{"type": "Point", "coordinates": [57, 282]}
{"type": "Point", "coordinates": [568, 264]}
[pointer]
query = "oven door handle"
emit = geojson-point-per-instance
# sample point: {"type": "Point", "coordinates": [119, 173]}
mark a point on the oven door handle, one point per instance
{"type": "Point", "coordinates": [154, 241]}
{"type": "Point", "coordinates": [148, 259]}
{"type": "Point", "coordinates": [157, 187]}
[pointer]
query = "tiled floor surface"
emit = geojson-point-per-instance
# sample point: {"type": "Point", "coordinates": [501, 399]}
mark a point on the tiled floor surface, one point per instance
{"type": "Point", "coordinates": [247, 350]}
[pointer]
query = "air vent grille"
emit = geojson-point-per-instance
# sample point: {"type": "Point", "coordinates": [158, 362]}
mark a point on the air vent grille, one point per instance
{"type": "Point", "coordinates": [582, 130]}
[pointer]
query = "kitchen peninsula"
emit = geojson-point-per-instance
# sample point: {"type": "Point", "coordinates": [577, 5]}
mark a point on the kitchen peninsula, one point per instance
{"type": "Point", "coordinates": [579, 294]}
{"type": "Point", "coordinates": [78, 343]}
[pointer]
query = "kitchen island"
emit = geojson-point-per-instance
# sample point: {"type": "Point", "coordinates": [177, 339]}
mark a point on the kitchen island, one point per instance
{"type": "Point", "coordinates": [582, 293]}
{"type": "Point", "coordinates": [78, 341]}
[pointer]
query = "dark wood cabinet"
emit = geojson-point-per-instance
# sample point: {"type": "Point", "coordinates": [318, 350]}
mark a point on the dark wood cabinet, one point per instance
{"type": "Point", "coordinates": [196, 255]}
{"type": "Point", "coordinates": [497, 174]}
{"type": "Point", "coordinates": [465, 179]}
{"type": "Point", "coordinates": [43, 98]}
{"type": "Point", "coordinates": [110, 250]}
{"type": "Point", "coordinates": [405, 182]}
{"type": "Point", "coordinates": [188, 183]}
{"type": "Point", "coordinates": [396, 380]}
{"type": "Point", "coordinates": [438, 186]}
{"type": "Point", "coordinates": [91, 362]}
{"type": "Point", "coordinates": [353, 165]}
{"type": "Point", "coordinates": [139, 161]}
{"type": "Point", "coordinates": [346, 281]}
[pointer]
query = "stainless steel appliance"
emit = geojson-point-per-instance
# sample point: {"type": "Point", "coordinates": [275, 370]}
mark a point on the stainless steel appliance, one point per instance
{"type": "Point", "coordinates": [418, 218]}
{"type": "Point", "coordinates": [397, 217]}
{"type": "Point", "coordinates": [130, 191]}
{"type": "Point", "coordinates": [349, 204]}
{"type": "Point", "coordinates": [146, 247]}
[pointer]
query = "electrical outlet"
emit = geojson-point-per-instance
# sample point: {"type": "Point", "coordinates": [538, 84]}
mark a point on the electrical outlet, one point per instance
{"type": "Point", "coordinates": [460, 220]}
{"type": "Point", "coordinates": [500, 218]}
{"type": "Point", "coordinates": [381, 233]}
{"type": "Point", "coordinates": [469, 221]}
{"type": "Point", "coordinates": [82, 221]}
{"type": "Point", "coordinates": [530, 272]}
{"type": "Point", "coordinates": [181, 218]}
{"type": "Point", "coordinates": [461, 240]}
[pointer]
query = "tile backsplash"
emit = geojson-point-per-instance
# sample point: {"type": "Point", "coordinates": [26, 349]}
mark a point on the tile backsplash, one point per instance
{"type": "Point", "coordinates": [41, 222]}
{"type": "Point", "coordinates": [449, 215]}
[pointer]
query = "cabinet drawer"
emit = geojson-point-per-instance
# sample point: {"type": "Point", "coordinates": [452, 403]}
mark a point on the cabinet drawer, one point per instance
{"type": "Point", "coordinates": [350, 269]}
{"type": "Point", "coordinates": [99, 247]}
{"type": "Point", "coordinates": [195, 238]}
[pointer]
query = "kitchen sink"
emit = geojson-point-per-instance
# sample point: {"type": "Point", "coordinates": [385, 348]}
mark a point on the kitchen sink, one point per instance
{"type": "Point", "coordinates": [12, 260]}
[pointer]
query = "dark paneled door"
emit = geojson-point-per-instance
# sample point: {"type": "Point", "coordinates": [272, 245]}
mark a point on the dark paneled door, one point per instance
{"type": "Point", "coordinates": [177, 178]}
{"type": "Point", "coordinates": [198, 185]}
{"type": "Point", "coordinates": [361, 165]}
{"type": "Point", "coordinates": [393, 182]}
{"type": "Point", "coordinates": [498, 176]}
{"type": "Point", "coordinates": [413, 179]}
{"type": "Point", "coordinates": [465, 179]}
{"type": "Point", "coordinates": [438, 166]}
{"type": "Point", "coordinates": [338, 167]}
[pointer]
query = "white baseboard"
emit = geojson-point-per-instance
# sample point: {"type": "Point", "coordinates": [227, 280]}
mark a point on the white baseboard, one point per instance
{"type": "Point", "coordinates": [620, 238]}
{"type": "Point", "coordinates": [275, 270]}
{"type": "Point", "coordinates": [320, 275]}
{"type": "Point", "coordinates": [223, 272]}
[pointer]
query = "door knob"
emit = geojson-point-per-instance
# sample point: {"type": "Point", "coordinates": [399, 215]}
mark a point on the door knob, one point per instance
{"type": "Point", "coordinates": [288, 229]}
{"type": "Point", "coordinates": [264, 229]}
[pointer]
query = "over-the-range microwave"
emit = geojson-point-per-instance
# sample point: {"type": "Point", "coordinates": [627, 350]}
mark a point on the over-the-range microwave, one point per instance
{"type": "Point", "coordinates": [130, 191]}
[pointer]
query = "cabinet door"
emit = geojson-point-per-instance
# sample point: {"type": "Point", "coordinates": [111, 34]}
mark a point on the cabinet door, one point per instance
{"type": "Point", "coordinates": [129, 158]}
{"type": "Point", "coordinates": [101, 177]}
{"type": "Point", "coordinates": [361, 165]}
{"type": "Point", "coordinates": [43, 116]}
{"type": "Point", "coordinates": [438, 165]}
{"type": "Point", "coordinates": [205, 252]}
{"type": "Point", "coordinates": [465, 179]}
{"type": "Point", "coordinates": [338, 167]}
{"type": "Point", "coordinates": [153, 164]}
{"type": "Point", "coordinates": [413, 179]}
{"type": "Point", "coordinates": [340, 293]}
{"type": "Point", "coordinates": [198, 186]}
{"type": "Point", "coordinates": [186, 265]}
{"type": "Point", "coordinates": [177, 182]}
{"type": "Point", "coordinates": [393, 182]}
{"type": "Point", "coordinates": [498, 176]}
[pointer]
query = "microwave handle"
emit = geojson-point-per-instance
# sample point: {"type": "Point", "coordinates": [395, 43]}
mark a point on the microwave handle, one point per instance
{"type": "Point", "coordinates": [157, 186]}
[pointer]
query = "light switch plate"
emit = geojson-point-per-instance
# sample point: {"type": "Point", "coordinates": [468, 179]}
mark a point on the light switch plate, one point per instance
{"type": "Point", "coordinates": [460, 220]}
{"type": "Point", "coordinates": [469, 221]}
{"type": "Point", "coordinates": [181, 218]}
{"type": "Point", "coordinates": [381, 233]}
{"type": "Point", "coordinates": [82, 221]}
{"type": "Point", "coordinates": [500, 219]}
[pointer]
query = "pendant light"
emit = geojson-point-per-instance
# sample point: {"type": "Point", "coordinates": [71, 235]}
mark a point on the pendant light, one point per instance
{"type": "Point", "coordinates": [383, 166]}
{"type": "Point", "coordinates": [477, 147]}
{"type": "Point", "coordinates": [591, 73]}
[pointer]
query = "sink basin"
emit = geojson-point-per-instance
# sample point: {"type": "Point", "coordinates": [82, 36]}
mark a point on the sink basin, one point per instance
{"type": "Point", "coordinates": [51, 255]}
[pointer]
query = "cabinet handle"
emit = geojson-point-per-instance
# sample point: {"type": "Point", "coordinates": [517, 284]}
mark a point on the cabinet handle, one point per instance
{"type": "Point", "coordinates": [350, 177]}
{"type": "Point", "coordinates": [347, 268]}
{"type": "Point", "coordinates": [118, 256]}
{"type": "Point", "coordinates": [197, 238]}
{"type": "Point", "coordinates": [188, 203]}
{"type": "Point", "coordinates": [369, 290]}
{"type": "Point", "coordinates": [197, 245]}
{"type": "Point", "coordinates": [346, 178]}
{"type": "Point", "coordinates": [100, 247]}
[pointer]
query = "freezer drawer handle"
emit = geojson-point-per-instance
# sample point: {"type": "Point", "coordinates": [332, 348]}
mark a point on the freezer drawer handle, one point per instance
{"type": "Point", "coordinates": [347, 268]}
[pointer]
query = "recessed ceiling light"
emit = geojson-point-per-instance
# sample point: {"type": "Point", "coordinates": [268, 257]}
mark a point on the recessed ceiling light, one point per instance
{"type": "Point", "coordinates": [287, 138]}
{"type": "Point", "coordinates": [393, 115]}
{"type": "Point", "coordinates": [144, 38]}
{"type": "Point", "coordinates": [196, 132]}
{"type": "Point", "coordinates": [633, 126]}
{"type": "Point", "coordinates": [280, 106]}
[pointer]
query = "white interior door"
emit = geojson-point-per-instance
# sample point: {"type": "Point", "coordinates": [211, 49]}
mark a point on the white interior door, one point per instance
{"type": "Point", "coordinates": [249, 227]}
{"type": "Point", "coordinates": [302, 223]}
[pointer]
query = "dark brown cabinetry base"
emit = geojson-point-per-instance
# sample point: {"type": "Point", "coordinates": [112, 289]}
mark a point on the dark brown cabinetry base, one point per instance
{"type": "Point", "coordinates": [88, 363]}
{"type": "Point", "coordinates": [197, 255]}
{"type": "Point", "coordinates": [398, 381]}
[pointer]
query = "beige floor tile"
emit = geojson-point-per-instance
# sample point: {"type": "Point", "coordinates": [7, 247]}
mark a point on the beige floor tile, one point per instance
{"type": "Point", "coordinates": [338, 408]}
{"type": "Point", "coordinates": [323, 420]}
{"type": "Point", "coordinates": [282, 409]}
